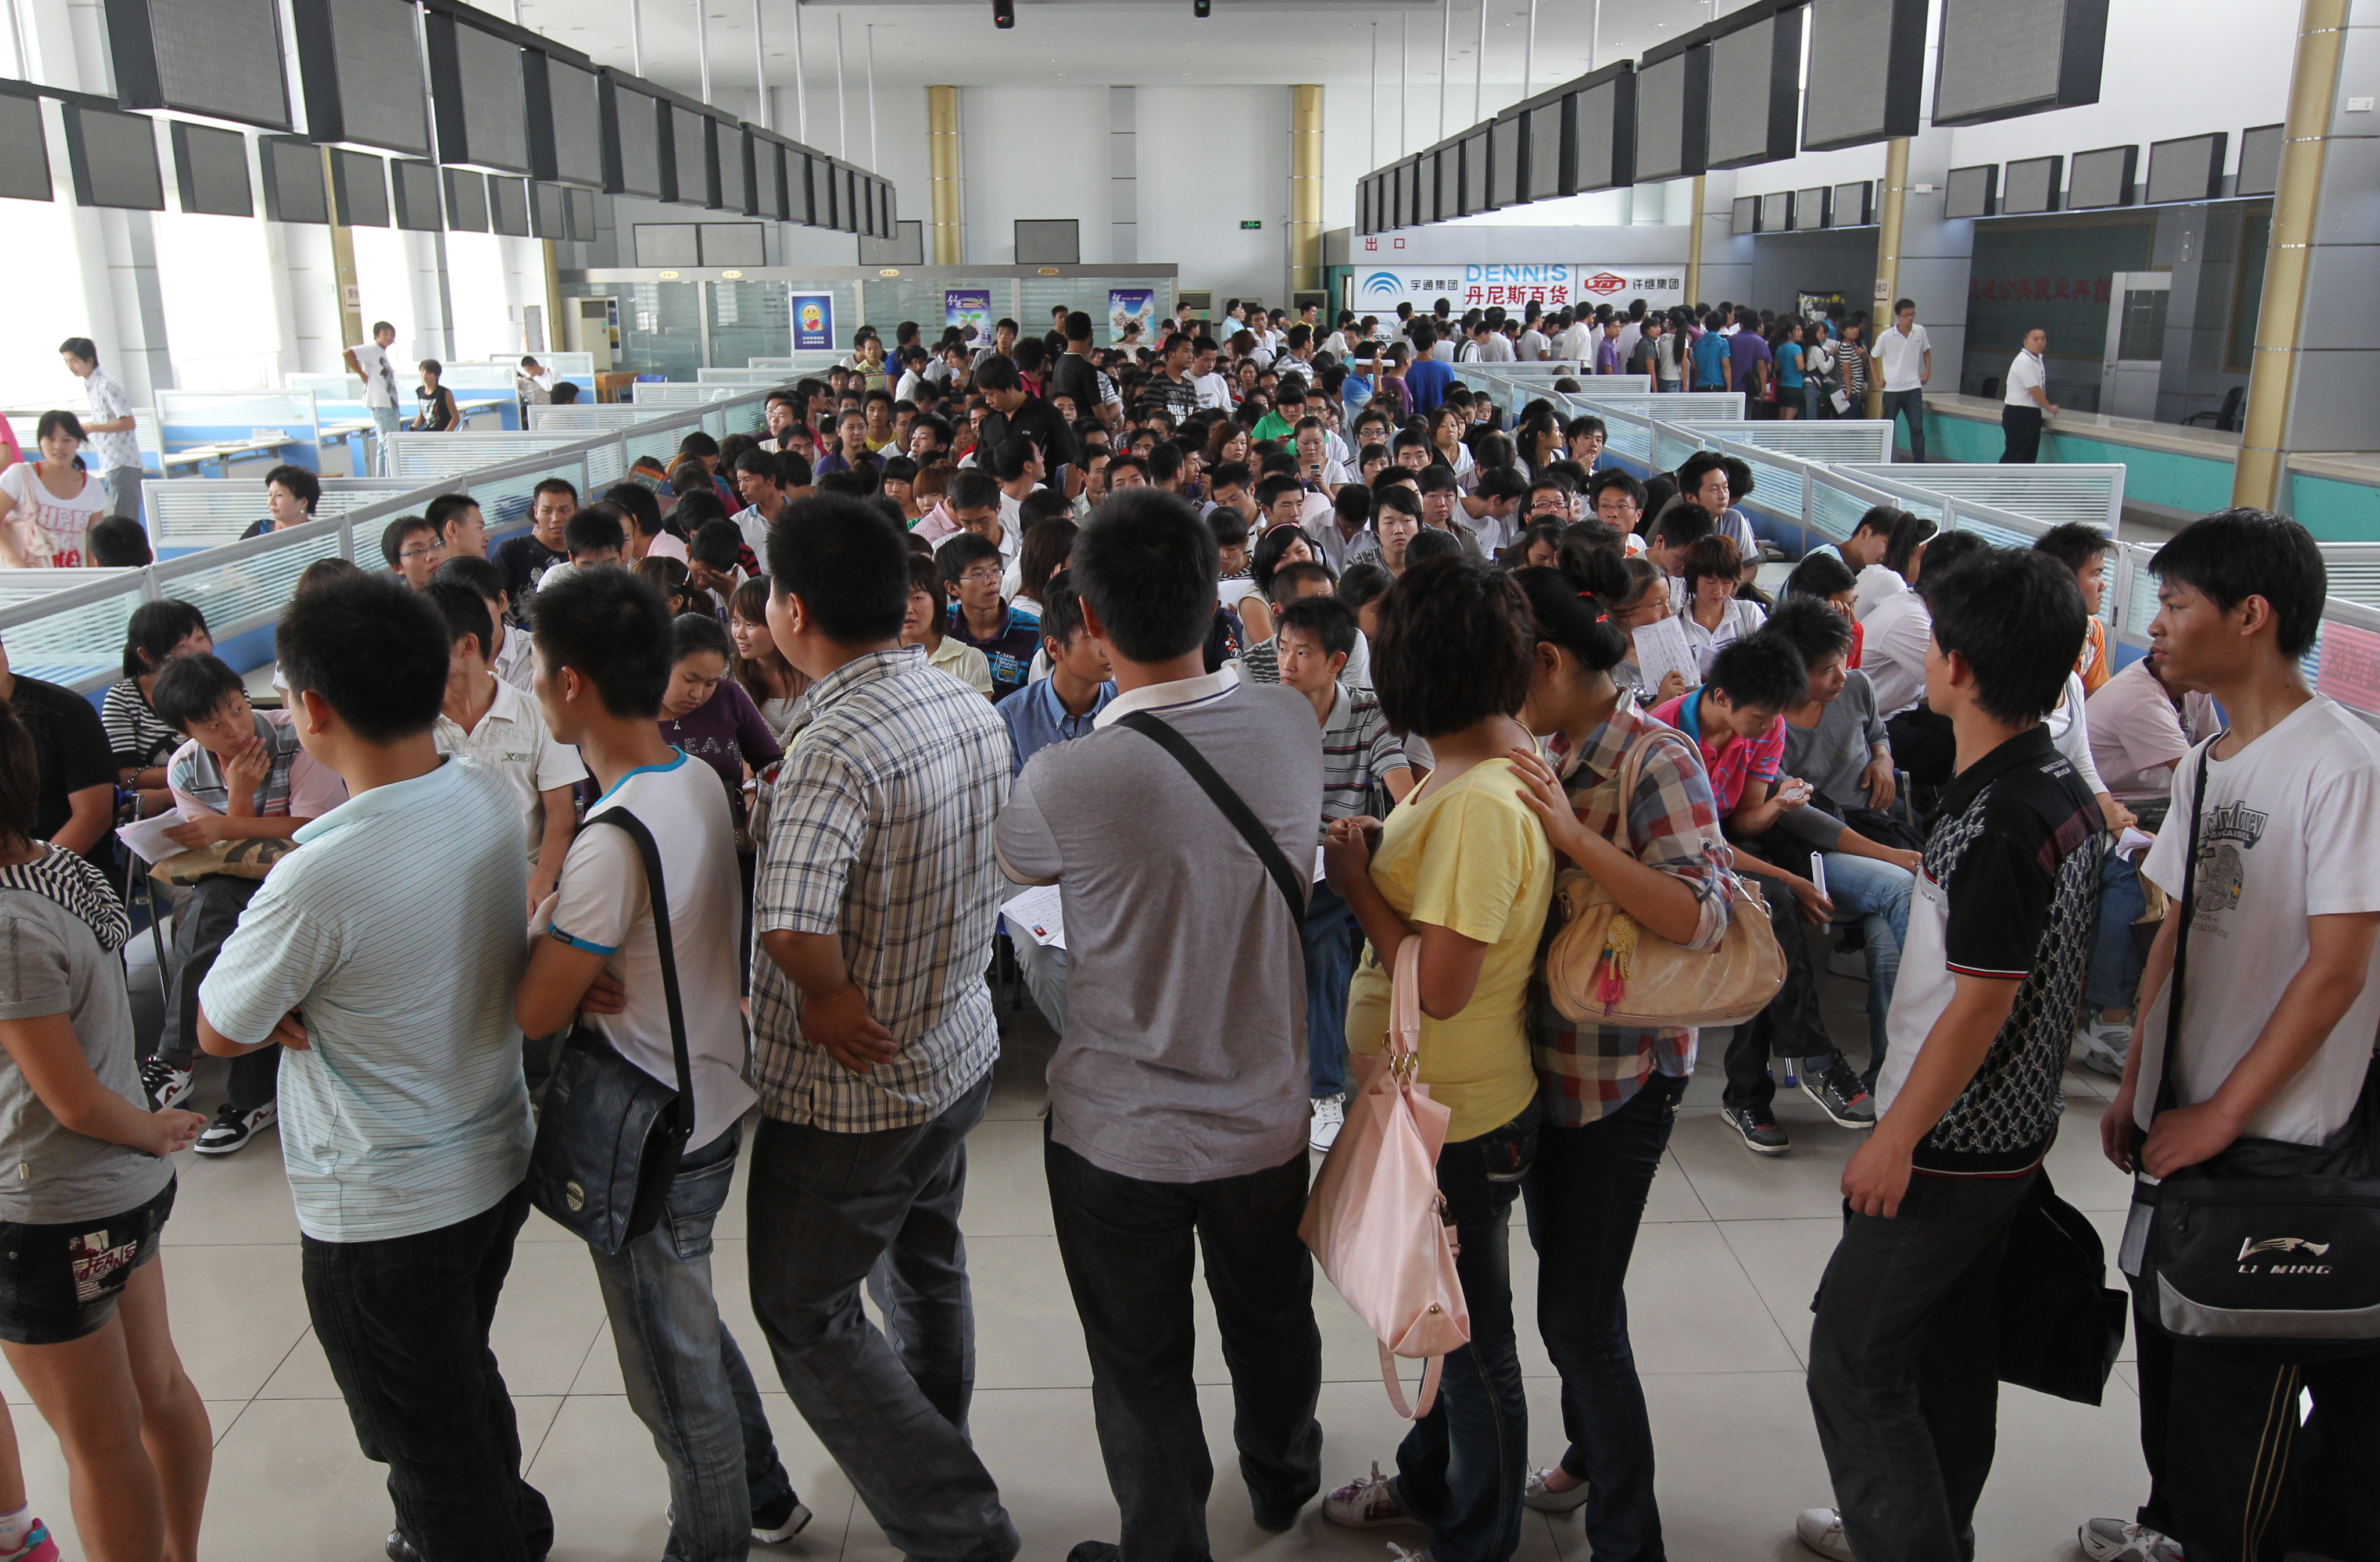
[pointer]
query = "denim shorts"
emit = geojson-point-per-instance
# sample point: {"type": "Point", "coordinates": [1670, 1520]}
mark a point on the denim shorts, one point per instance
{"type": "Point", "coordinates": [59, 1282]}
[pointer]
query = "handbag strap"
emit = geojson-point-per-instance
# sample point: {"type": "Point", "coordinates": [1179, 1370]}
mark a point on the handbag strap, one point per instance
{"type": "Point", "coordinates": [1276, 862]}
{"type": "Point", "coordinates": [633, 828]}
{"type": "Point", "coordinates": [1428, 1393]}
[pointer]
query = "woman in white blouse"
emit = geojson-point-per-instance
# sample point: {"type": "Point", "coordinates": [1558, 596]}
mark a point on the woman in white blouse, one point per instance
{"type": "Point", "coordinates": [1715, 616]}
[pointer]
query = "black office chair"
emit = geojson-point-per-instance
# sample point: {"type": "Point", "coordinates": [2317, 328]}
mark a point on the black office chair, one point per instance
{"type": "Point", "coordinates": [1990, 388]}
{"type": "Point", "coordinates": [2226, 419]}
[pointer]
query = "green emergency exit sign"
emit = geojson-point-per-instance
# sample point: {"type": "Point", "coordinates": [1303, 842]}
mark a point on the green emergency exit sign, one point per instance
{"type": "Point", "coordinates": [1252, 223]}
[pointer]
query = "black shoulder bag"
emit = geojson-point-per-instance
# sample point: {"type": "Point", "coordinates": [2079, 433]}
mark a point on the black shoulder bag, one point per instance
{"type": "Point", "coordinates": [611, 1135]}
{"type": "Point", "coordinates": [2268, 1242]}
{"type": "Point", "coordinates": [1287, 879]}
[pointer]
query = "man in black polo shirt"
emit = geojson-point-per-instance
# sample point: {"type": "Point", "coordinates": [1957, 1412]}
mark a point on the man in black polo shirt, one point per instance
{"type": "Point", "coordinates": [1017, 412]}
{"type": "Point", "coordinates": [1902, 1365]}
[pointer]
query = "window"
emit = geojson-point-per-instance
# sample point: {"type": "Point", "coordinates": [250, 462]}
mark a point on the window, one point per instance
{"type": "Point", "coordinates": [2247, 289]}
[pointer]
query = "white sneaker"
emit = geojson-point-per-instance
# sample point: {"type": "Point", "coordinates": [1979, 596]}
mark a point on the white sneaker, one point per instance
{"type": "Point", "coordinates": [2115, 1540]}
{"type": "Point", "coordinates": [1821, 1528]}
{"type": "Point", "coordinates": [2100, 1047]}
{"type": "Point", "coordinates": [1367, 1504]}
{"type": "Point", "coordinates": [1536, 1496]}
{"type": "Point", "coordinates": [1329, 1117]}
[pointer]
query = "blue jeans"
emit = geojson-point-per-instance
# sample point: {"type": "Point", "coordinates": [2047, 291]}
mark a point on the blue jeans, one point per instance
{"type": "Point", "coordinates": [1909, 404]}
{"type": "Point", "coordinates": [2115, 978]}
{"type": "Point", "coordinates": [827, 1212]}
{"type": "Point", "coordinates": [1329, 967]}
{"type": "Point", "coordinates": [384, 422]}
{"type": "Point", "coordinates": [1585, 1201]}
{"type": "Point", "coordinates": [1462, 1467]}
{"type": "Point", "coordinates": [1877, 894]}
{"type": "Point", "coordinates": [687, 1380]}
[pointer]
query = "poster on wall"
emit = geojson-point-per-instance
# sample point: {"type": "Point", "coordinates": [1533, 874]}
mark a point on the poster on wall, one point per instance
{"type": "Point", "coordinates": [969, 308]}
{"type": "Point", "coordinates": [813, 321]}
{"type": "Point", "coordinates": [1814, 306]}
{"type": "Point", "coordinates": [1129, 307]}
{"type": "Point", "coordinates": [1379, 290]}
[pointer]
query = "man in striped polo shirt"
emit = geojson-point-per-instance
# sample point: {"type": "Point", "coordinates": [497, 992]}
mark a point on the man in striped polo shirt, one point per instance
{"type": "Point", "coordinates": [405, 1125]}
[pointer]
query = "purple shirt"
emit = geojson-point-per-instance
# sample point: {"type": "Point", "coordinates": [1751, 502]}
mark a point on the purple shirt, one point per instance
{"type": "Point", "coordinates": [1606, 355]}
{"type": "Point", "coordinates": [1748, 346]}
{"type": "Point", "coordinates": [725, 732]}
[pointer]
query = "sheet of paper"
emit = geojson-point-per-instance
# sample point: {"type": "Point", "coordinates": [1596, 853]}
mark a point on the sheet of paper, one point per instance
{"type": "Point", "coordinates": [1317, 864]}
{"type": "Point", "coordinates": [2132, 842]}
{"type": "Point", "coordinates": [145, 837]}
{"type": "Point", "coordinates": [1039, 915]}
{"type": "Point", "coordinates": [1661, 648]}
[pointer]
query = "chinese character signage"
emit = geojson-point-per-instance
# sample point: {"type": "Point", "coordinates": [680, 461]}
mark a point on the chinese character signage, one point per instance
{"type": "Point", "coordinates": [813, 321]}
{"type": "Point", "coordinates": [1378, 289]}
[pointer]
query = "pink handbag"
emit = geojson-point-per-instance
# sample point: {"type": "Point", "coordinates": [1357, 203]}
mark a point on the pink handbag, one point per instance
{"type": "Point", "coordinates": [1376, 1219]}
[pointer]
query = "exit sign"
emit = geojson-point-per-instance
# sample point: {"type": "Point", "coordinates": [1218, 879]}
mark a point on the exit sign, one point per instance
{"type": "Point", "coordinates": [1252, 223]}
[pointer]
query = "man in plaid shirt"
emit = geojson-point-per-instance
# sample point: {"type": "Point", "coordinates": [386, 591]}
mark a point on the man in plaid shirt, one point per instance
{"type": "Point", "coordinates": [873, 1034]}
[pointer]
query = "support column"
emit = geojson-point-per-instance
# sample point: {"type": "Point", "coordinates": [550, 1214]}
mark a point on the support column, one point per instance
{"type": "Point", "coordinates": [942, 148]}
{"type": "Point", "coordinates": [1694, 299]}
{"type": "Point", "coordinates": [343, 267]}
{"type": "Point", "coordinates": [1305, 188]}
{"type": "Point", "coordinates": [2310, 393]}
{"type": "Point", "coordinates": [1892, 201]}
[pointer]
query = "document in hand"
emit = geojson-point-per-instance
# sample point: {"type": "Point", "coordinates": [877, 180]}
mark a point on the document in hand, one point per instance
{"type": "Point", "coordinates": [145, 837]}
{"type": "Point", "coordinates": [1037, 915]}
{"type": "Point", "coordinates": [1661, 648]}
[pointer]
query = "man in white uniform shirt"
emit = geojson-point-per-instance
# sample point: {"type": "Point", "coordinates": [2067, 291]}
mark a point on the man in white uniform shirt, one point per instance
{"type": "Point", "coordinates": [1904, 360]}
{"type": "Point", "coordinates": [370, 362]}
{"type": "Point", "coordinates": [2026, 406]}
{"type": "Point", "coordinates": [109, 426]}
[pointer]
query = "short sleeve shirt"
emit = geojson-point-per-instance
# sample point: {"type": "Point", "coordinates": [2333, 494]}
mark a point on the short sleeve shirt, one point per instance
{"type": "Point", "coordinates": [109, 403]}
{"type": "Point", "coordinates": [380, 376]}
{"type": "Point", "coordinates": [2025, 376]}
{"type": "Point", "coordinates": [61, 524]}
{"type": "Point", "coordinates": [1473, 859]}
{"type": "Point", "coordinates": [1739, 762]}
{"type": "Point", "coordinates": [51, 963]}
{"type": "Point", "coordinates": [1904, 357]}
{"type": "Point", "coordinates": [511, 741]}
{"type": "Point", "coordinates": [69, 746]}
{"type": "Point", "coordinates": [1359, 750]}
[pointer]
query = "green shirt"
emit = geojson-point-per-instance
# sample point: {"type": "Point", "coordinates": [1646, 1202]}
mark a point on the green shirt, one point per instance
{"type": "Point", "coordinates": [1272, 425]}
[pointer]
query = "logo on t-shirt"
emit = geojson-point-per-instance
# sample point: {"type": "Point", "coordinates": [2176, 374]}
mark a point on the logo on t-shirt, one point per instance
{"type": "Point", "coordinates": [2228, 830]}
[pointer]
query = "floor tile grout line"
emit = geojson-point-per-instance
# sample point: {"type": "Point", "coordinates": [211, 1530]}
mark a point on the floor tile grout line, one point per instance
{"type": "Point", "coordinates": [1771, 1313]}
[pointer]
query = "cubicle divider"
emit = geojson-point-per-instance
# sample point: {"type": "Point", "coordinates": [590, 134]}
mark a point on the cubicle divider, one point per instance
{"type": "Point", "coordinates": [424, 456]}
{"type": "Point", "coordinates": [74, 635]}
{"type": "Point", "coordinates": [228, 426]}
{"type": "Point", "coordinates": [2061, 492]}
{"type": "Point", "coordinates": [771, 378]}
{"type": "Point", "coordinates": [795, 365]}
{"type": "Point", "coordinates": [185, 514]}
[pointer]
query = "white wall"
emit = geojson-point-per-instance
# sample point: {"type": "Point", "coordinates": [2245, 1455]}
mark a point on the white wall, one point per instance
{"type": "Point", "coordinates": [1036, 152]}
{"type": "Point", "coordinates": [1211, 157]}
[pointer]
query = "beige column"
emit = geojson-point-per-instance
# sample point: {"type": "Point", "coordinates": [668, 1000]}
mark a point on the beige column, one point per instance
{"type": "Point", "coordinates": [1894, 198]}
{"type": "Point", "coordinates": [343, 264]}
{"type": "Point", "coordinates": [942, 143]}
{"type": "Point", "coordinates": [2314, 82]}
{"type": "Point", "coordinates": [1694, 251]}
{"type": "Point", "coordinates": [1305, 188]}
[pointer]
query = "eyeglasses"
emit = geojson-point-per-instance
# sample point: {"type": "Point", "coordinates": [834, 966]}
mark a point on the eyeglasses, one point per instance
{"type": "Point", "coordinates": [432, 551]}
{"type": "Point", "coordinates": [985, 576]}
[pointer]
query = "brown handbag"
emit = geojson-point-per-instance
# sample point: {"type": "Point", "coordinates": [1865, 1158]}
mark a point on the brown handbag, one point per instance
{"type": "Point", "coordinates": [1607, 969]}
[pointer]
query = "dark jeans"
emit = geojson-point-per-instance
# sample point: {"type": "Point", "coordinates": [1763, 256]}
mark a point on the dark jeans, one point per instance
{"type": "Point", "coordinates": [209, 913]}
{"type": "Point", "coordinates": [404, 1324]}
{"type": "Point", "coordinates": [1903, 1365]}
{"type": "Point", "coordinates": [1462, 1467]}
{"type": "Point", "coordinates": [1329, 967]}
{"type": "Point", "coordinates": [1585, 1200]}
{"type": "Point", "coordinates": [1792, 1024]}
{"type": "Point", "coordinates": [1909, 404]}
{"type": "Point", "coordinates": [2021, 430]}
{"type": "Point", "coordinates": [1127, 1247]}
{"type": "Point", "coordinates": [826, 1212]}
{"type": "Point", "coordinates": [2233, 1475]}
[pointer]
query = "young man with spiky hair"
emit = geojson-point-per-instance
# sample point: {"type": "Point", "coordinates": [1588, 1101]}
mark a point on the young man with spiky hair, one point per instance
{"type": "Point", "coordinates": [405, 1124]}
{"type": "Point", "coordinates": [1903, 1355]}
{"type": "Point", "coordinates": [2279, 996]}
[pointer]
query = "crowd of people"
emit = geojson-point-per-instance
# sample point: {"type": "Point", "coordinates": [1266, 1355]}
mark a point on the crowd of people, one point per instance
{"type": "Point", "coordinates": [1161, 628]}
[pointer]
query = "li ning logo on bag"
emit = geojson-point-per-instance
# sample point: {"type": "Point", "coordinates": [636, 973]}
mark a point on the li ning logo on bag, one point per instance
{"type": "Point", "coordinates": [2283, 1245]}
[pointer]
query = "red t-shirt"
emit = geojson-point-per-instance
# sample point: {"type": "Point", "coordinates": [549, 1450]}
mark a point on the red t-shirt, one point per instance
{"type": "Point", "coordinates": [1735, 759]}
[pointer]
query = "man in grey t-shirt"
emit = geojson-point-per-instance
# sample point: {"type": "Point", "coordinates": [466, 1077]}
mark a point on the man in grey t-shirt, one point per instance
{"type": "Point", "coordinates": [1177, 1109]}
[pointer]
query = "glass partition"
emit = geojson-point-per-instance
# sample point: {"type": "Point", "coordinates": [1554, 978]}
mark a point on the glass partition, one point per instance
{"type": "Point", "coordinates": [747, 320]}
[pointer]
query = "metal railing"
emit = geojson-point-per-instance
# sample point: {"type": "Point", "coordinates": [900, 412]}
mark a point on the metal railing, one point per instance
{"type": "Point", "coordinates": [74, 635]}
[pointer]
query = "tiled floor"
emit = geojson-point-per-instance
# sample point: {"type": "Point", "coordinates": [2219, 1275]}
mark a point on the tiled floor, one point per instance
{"type": "Point", "coordinates": [1718, 1301]}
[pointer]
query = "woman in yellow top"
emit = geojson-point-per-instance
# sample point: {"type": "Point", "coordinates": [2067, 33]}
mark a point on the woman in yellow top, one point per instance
{"type": "Point", "coordinates": [1462, 865]}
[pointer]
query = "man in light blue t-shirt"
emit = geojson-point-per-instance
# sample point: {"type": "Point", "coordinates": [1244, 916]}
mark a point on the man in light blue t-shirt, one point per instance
{"type": "Point", "coordinates": [405, 1125]}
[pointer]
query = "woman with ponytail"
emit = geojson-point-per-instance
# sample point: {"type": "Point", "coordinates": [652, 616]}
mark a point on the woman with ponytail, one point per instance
{"type": "Point", "coordinates": [1609, 1095]}
{"type": "Point", "coordinates": [82, 1298]}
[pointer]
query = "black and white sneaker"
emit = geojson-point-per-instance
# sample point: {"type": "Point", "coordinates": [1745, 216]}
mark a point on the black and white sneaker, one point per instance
{"type": "Point", "coordinates": [779, 1521]}
{"type": "Point", "coordinates": [1837, 1089]}
{"type": "Point", "coordinates": [163, 1084]}
{"type": "Point", "coordinates": [231, 1129]}
{"type": "Point", "coordinates": [1761, 1134]}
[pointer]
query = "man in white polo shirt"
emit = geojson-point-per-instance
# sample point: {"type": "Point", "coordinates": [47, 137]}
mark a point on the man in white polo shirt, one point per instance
{"type": "Point", "coordinates": [405, 1125]}
{"type": "Point", "coordinates": [2026, 406]}
{"type": "Point", "coordinates": [1904, 359]}
{"type": "Point", "coordinates": [110, 425]}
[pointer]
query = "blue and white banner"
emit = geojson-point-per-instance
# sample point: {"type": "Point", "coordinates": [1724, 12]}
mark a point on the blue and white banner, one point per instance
{"type": "Point", "coordinates": [813, 321]}
{"type": "Point", "coordinates": [1379, 290]}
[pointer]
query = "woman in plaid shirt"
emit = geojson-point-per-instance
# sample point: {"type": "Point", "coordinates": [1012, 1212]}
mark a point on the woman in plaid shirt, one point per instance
{"type": "Point", "coordinates": [1610, 1096]}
